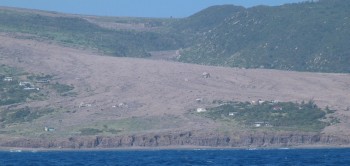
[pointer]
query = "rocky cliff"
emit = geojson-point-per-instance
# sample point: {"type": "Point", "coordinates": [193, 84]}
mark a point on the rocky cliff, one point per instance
{"type": "Point", "coordinates": [181, 139]}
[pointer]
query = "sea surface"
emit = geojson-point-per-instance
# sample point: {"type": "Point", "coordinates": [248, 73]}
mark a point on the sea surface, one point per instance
{"type": "Point", "coordinates": [283, 157]}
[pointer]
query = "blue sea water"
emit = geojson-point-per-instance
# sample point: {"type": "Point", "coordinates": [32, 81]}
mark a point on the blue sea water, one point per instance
{"type": "Point", "coordinates": [283, 157]}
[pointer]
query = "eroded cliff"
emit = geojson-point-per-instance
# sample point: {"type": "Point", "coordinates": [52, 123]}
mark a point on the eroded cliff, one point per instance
{"type": "Point", "coordinates": [183, 139]}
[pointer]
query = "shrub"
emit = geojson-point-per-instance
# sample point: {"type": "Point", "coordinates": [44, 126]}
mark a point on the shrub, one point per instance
{"type": "Point", "coordinates": [61, 88]}
{"type": "Point", "coordinates": [23, 115]}
{"type": "Point", "coordinates": [90, 131]}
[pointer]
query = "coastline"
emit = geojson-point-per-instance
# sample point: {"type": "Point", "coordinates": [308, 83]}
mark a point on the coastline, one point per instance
{"type": "Point", "coordinates": [182, 141]}
{"type": "Point", "coordinates": [170, 148]}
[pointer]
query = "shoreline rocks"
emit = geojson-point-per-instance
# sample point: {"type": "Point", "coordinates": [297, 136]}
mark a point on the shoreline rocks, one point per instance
{"type": "Point", "coordinates": [180, 139]}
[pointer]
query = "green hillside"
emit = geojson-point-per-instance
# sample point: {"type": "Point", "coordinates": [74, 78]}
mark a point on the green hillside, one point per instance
{"type": "Point", "coordinates": [76, 31]}
{"type": "Point", "coordinates": [309, 36]}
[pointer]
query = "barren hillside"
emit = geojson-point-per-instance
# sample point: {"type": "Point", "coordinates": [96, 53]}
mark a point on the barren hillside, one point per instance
{"type": "Point", "coordinates": [149, 96]}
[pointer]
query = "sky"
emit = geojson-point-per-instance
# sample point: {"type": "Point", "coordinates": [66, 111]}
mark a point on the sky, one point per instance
{"type": "Point", "coordinates": [134, 8]}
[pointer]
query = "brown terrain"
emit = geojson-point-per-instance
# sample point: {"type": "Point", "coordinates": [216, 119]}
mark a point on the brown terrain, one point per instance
{"type": "Point", "coordinates": [149, 100]}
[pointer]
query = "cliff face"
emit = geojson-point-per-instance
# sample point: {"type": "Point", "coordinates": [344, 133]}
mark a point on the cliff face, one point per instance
{"type": "Point", "coordinates": [238, 140]}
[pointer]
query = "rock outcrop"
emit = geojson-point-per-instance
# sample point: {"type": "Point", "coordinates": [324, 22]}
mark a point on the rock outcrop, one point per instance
{"type": "Point", "coordinates": [191, 138]}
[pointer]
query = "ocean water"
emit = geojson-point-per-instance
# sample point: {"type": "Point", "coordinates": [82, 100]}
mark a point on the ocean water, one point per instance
{"type": "Point", "coordinates": [283, 157]}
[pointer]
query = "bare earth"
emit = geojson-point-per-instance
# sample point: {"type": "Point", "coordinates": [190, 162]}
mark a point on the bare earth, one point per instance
{"type": "Point", "coordinates": [163, 90]}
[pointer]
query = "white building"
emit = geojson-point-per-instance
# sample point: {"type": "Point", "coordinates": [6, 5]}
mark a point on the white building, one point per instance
{"type": "Point", "coordinates": [8, 79]}
{"type": "Point", "coordinates": [199, 110]}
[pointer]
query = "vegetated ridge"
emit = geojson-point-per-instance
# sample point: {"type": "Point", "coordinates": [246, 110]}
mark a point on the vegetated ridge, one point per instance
{"type": "Point", "coordinates": [308, 36]}
{"type": "Point", "coordinates": [86, 32]}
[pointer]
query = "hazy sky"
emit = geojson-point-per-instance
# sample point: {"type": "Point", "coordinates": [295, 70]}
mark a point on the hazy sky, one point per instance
{"type": "Point", "coordinates": [138, 8]}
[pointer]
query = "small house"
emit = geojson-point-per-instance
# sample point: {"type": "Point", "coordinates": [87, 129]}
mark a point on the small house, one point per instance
{"type": "Point", "coordinates": [43, 81]}
{"type": "Point", "coordinates": [82, 104]}
{"type": "Point", "coordinates": [277, 108]}
{"type": "Point", "coordinates": [231, 114]}
{"type": "Point", "coordinates": [257, 124]}
{"type": "Point", "coordinates": [123, 105]}
{"type": "Point", "coordinates": [199, 110]}
{"type": "Point", "coordinates": [31, 88]}
{"type": "Point", "coordinates": [274, 101]}
{"type": "Point", "coordinates": [199, 100]}
{"type": "Point", "coordinates": [205, 75]}
{"type": "Point", "coordinates": [262, 124]}
{"type": "Point", "coordinates": [27, 84]}
{"type": "Point", "coordinates": [8, 79]}
{"type": "Point", "coordinates": [49, 129]}
{"type": "Point", "coordinates": [261, 101]}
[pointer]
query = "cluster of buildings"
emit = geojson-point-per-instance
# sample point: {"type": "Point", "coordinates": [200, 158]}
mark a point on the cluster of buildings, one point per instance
{"type": "Point", "coordinates": [274, 103]}
{"type": "Point", "coordinates": [27, 85]}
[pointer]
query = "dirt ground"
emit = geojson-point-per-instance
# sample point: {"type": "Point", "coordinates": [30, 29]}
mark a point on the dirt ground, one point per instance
{"type": "Point", "coordinates": [129, 87]}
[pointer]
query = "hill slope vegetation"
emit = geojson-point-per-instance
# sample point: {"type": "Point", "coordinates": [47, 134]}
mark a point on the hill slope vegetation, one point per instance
{"type": "Point", "coordinates": [309, 36]}
{"type": "Point", "coordinates": [78, 31]}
